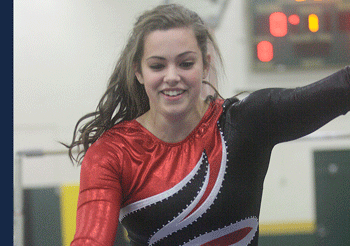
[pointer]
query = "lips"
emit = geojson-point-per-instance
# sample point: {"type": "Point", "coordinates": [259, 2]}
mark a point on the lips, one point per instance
{"type": "Point", "coordinates": [172, 93]}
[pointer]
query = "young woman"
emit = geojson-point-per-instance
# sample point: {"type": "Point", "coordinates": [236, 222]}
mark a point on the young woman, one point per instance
{"type": "Point", "coordinates": [176, 168]}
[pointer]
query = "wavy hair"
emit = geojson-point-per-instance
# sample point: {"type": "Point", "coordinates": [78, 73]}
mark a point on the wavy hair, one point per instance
{"type": "Point", "coordinates": [125, 98]}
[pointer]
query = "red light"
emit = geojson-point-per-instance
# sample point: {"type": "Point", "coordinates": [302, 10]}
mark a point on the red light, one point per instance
{"type": "Point", "coordinates": [294, 19]}
{"type": "Point", "coordinates": [265, 51]}
{"type": "Point", "coordinates": [278, 24]}
{"type": "Point", "coordinates": [344, 21]}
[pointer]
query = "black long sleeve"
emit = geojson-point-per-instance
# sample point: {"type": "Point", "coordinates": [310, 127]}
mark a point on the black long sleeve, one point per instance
{"type": "Point", "coordinates": [277, 115]}
{"type": "Point", "coordinates": [253, 126]}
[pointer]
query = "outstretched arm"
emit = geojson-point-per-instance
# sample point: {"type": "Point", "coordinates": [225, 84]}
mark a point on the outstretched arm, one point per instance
{"type": "Point", "coordinates": [276, 115]}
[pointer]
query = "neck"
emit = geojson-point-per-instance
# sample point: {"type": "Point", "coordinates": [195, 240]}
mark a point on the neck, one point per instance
{"type": "Point", "coordinates": [172, 129]}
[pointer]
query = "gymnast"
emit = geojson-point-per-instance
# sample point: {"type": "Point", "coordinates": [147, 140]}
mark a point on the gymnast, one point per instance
{"type": "Point", "coordinates": [175, 166]}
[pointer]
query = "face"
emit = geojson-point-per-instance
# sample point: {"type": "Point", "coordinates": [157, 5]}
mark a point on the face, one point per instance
{"type": "Point", "coordinates": [172, 71]}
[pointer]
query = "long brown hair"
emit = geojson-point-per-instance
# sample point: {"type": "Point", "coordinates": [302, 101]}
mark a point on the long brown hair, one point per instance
{"type": "Point", "coordinates": [125, 98]}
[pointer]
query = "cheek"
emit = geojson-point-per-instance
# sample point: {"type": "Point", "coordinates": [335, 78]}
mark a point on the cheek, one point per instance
{"type": "Point", "coordinates": [196, 77]}
{"type": "Point", "coordinates": [151, 83]}
{"type": "Point", "coordinates": [150, 78]}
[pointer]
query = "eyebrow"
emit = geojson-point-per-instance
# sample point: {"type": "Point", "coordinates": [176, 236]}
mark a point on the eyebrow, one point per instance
{"type": "Point", "coordinates": [180, 55]}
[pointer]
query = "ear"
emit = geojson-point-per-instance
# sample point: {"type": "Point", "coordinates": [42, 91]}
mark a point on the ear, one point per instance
{"type": "Point", "coordinates": [138, 74]}
{"type": "Point", "coordinates": [207, 66]}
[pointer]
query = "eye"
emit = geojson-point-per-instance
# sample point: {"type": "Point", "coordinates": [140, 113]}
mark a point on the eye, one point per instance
{"type": "Point", "coordinates": [187, 64]}
{"type": "Point", "coordinates": [157, 66]}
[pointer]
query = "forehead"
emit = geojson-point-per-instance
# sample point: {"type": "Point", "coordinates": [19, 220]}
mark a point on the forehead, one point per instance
{"type": "Point", "coordinates": [168, 43]}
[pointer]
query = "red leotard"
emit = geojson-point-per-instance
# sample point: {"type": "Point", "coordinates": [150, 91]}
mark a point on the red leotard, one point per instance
{"type": "Point", "coordinates": [206, 189]}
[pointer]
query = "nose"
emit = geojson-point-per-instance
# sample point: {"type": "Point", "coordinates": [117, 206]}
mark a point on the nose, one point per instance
{"type": "Point", "coordinates": [171, 76]}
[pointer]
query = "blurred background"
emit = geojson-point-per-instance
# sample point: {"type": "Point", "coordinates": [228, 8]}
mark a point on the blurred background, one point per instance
{"type": "Point", "coordinates": [65, 51]}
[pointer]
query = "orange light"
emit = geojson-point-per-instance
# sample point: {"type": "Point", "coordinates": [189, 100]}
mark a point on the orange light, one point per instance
{"type": "Point", "coordinates": [278, 24]}
{"type": "Point", "coordinates": [313, 23]}
{"type": "Point", "coordinates": [294, 19]}
{"type": "Point", "coordinates": [265, 51]}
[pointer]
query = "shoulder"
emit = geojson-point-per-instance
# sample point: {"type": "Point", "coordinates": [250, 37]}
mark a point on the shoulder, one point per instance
{"type": "Point", "coordinates": [254, 102]}
{"type": "Point", "coordinates": [110, 147]}
{"type": "Point", "coordinates": [103, 164]}
{"type": "Point", "coordinates": [121, 133]}
{"type": "Point", "coordinates": [258, 103]}
{"type": "Point", "coordinates": [249, 113]}
{"type": "Point", "coordinates": [118, 141]}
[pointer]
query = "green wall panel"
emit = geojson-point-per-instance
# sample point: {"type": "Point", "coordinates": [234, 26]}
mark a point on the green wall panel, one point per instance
{"type": "Point", "coordinates": [42, 220]}
{"type": "Point", "coordinates": [287, 240]}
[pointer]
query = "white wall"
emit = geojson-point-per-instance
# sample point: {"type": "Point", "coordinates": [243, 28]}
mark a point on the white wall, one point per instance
{"type": "Point", "coordinates": [64, 53]}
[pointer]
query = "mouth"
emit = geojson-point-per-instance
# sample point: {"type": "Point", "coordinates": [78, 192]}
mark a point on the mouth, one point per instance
{"type": "Point", "coordinates": [172, 93]}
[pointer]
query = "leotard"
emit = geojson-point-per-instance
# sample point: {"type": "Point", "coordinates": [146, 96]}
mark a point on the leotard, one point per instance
{"type": "Point", "coordinates": [206, 189]}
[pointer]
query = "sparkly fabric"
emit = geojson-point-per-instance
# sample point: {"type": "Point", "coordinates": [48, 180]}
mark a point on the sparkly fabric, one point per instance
{"type": "Point", "coordinates": [206, 189]}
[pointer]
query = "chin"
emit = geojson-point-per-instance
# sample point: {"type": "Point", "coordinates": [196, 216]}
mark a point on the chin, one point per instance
{"type": "Point", "coordinates": [178, 112]}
